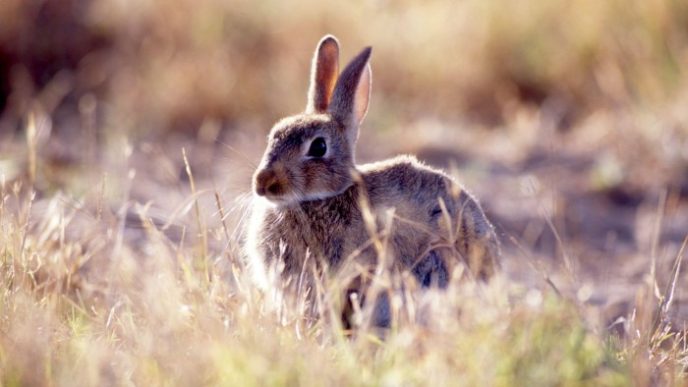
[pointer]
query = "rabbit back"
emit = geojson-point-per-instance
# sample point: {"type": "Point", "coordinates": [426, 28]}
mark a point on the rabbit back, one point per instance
{"type": "Point", "coordinates": [433, 213]}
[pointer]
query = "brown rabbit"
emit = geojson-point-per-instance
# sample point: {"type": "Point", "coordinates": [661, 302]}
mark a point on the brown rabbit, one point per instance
{"type": "Point", "coordinates": [313, 200]}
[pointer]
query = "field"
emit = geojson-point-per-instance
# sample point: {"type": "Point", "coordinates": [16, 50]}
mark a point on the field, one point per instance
{"type": "Point", "coordinates": [129, 132]}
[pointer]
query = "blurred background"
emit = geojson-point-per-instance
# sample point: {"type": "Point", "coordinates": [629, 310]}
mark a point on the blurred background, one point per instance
{"type": "Point", "coordinates": [568, 120]}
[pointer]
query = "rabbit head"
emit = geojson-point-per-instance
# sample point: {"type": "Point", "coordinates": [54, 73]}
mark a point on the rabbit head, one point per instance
{"type": "Point", "coordinates": [310, 156]}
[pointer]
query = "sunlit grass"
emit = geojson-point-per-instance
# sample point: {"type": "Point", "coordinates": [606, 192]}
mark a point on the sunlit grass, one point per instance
{"type": "Point", "coordinates": [143, 313]}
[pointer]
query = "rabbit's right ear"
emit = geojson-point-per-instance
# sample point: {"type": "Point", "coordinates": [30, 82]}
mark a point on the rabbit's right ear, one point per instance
{"type": "Point", "coordinates": [324, 71]}
{"type": "Point", "coordinates": [350, 98]}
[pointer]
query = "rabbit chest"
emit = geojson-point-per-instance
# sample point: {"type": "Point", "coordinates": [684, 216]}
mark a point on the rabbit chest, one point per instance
{"type": "Point", "coordinates": [328, 230]}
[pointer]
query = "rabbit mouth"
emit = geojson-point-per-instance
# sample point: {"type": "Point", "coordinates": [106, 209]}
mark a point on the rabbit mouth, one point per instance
{"type": "Point", "coordinates": [287, 199]}
{"type": "Point", "coordinates": [283, 200]}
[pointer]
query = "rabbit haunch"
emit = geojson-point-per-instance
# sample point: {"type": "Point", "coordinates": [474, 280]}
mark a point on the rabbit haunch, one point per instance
{"type": "Point", "coordinates": [316, 206]}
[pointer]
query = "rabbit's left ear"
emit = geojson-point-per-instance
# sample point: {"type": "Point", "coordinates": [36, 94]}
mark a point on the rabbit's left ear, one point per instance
{"type": "Point", "coordinates": [352, 93]}
{"type": "Point", "coordinates": [324, 71]}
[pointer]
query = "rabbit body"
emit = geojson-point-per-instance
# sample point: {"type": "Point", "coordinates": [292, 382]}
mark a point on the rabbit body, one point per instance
{"type": "Point", "coordinates": [334, 228]}
{"type": "Point", "coordinates": [315, 203]}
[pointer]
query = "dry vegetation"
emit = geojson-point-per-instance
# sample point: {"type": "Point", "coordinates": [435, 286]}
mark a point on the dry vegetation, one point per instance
{"type": "Point", "coordinates": [129, 130]}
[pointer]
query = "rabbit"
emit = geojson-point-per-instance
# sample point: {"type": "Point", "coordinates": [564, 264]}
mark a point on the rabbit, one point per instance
{"type": "Point", "coordinates": [313, 200]}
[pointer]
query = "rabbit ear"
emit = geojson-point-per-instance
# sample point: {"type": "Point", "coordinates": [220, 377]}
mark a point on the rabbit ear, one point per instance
{"type": "Point", "coordinates": [324, 72]}
{"type": "Point", "coordinates": [352, 93]}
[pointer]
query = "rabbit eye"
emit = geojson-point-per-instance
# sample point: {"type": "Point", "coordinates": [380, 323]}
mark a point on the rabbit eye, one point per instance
{"type": "Point", "coordinates": [318, 148]}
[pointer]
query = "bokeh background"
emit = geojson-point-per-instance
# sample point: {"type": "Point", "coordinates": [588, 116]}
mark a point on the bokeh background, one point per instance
{"type": "Point", "coordinates": [568, 120]}
{"type": "Point", "coordinates": [129, 130]}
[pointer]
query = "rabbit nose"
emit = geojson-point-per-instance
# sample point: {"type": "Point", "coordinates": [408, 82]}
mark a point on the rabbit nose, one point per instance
{"type": "Point", "coordinates": [267, 182]}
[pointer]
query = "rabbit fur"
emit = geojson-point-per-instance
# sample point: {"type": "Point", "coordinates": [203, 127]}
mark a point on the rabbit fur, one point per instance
{"type": "Point", "coordinates": [314, 201]}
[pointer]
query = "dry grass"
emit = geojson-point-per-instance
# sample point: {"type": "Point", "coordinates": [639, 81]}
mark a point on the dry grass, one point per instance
{"type": "Point", "coordinates": [150, 314]}
{"type": "Point", "coordinates": [83, 304]}
{"type": "Point", "coordinates": [130, 130]}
